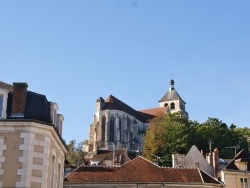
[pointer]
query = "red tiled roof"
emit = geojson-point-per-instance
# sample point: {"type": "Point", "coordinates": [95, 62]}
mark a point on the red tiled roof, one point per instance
{"type": "Point", "coordinates": [137, 170]}
{"type": "Point", "coordinates": [155, 111]}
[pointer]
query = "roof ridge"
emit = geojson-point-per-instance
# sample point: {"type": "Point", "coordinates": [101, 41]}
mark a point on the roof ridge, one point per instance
{"type": "Point", "coordinates": [143, 159]}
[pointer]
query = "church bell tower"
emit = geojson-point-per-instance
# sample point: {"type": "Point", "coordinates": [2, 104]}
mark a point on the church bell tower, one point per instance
{"type": "Point", "coordinates": [173, 101]}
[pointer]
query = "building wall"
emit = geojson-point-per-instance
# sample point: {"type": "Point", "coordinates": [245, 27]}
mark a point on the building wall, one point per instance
{"type": "Point", "coordinates": [26, 152]}
{"type": "Point", "coordinates": [231, 178]}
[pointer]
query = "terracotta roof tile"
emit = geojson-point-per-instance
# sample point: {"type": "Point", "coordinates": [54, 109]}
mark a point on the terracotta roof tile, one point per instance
{"type": "Point", "coordinates": [155, 111]}
{"type": "Point", "coordinates": [137, 170]}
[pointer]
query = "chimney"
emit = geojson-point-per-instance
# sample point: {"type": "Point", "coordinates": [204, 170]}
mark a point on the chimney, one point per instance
{"type": "Point", "coordinates": [216, 162]}
{"type": "Point", "coordinates": [202, 153]}
{"type": "Point", "coordinates": [209, 159]}
{"type": "Point", "coordinates": [19, 100]}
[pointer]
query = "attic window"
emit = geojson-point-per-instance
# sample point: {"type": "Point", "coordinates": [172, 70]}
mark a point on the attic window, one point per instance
{"type": "Point", "coordinates": [1, 105]}
{"type": "Point", "coordinates": [172, 106]}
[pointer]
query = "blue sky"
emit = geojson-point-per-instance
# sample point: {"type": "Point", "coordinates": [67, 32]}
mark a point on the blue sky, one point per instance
{"type": "Point", "coordinates": [76, 51]}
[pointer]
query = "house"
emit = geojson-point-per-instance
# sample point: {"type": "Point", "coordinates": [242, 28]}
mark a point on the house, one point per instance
{"type": "Point", "coordinates": [118, 125]}
{"type": "Point", "coordinates": [237, 172]}
{"type": "Point", "coordinates": [193, 159]}
{"type": "Point", "coordinates": [32, 151]}
{"type": "Point", "coordinates": [139, 173]}
{"type": "Point", "coordinates": [211, 163]}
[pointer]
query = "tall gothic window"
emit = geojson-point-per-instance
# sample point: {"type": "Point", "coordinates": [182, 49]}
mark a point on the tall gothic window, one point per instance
{"type": "Point", "coordinates": [103, 127]}
{"type": "Point", "coordinates": [120, 129]}
{"type": "Point", "coordinates": [112, 129]}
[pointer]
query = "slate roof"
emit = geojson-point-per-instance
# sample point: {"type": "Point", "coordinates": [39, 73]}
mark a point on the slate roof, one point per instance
{"type": "Point", "coordinates": [139, 170]}
{"type": "Point", "coordinates": [112, 103]}
{"type": "Point", "coordinates": [170, 95]}
{"type": "Point", "coordinates": [243, 155]}
{"type": "Point", "coordinates": [37, 107]}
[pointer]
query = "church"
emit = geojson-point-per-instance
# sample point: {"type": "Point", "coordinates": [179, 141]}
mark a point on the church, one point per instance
{"type": "Point", "coordinates": [118, 126]}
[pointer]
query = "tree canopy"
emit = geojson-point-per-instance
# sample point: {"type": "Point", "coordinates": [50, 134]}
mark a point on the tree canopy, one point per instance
{"type": "Point", "coordinates": [170, 134]}
{"type": "Point", "coordinates": [75, 155]}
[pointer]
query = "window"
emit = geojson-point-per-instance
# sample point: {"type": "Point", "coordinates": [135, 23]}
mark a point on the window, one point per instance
{"type": "Point", "coordinates": [52, 171]}
{"type": "Point", "coordinates": [1, 106]}
{"type": "Point", "coordinates": [112, 129]}
{"type": "Point", "coordinates": [172, 106]}
{"type": "Point", "coordinates": [244, 183]}
{"type": "Point", "coordinates": [103, 127]}
{"type": "Point", "coordinates": [166, 104]}
{"type": "Point", "coordinates": [59, 176]}
{"type": "Point", "coordinates": [197, 165]}
{"type": "Point", "coordinates": [120, 129]}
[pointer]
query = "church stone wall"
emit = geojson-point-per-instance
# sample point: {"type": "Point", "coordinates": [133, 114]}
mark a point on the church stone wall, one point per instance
{"type": "Point", "coordinates": [126, 131]}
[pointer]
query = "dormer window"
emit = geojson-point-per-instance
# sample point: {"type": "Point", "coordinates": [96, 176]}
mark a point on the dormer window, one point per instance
{"type": "Point", "coordinates": [3, 103]}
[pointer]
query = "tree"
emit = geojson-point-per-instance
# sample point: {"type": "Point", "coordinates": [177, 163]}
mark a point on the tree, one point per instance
{"type": "Point", "coordinates": [170, 134]}
{"type": "Point", "coordinates": [219, 135]}
{"type": "Point", "coordinates": [167, 134]}
{"type": "Point", "coordinates": [75, 154]}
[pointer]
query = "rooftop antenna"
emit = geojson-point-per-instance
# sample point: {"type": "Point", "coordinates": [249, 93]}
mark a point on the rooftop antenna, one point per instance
{"type": "Point", "coordinates": [235, 148]}
{"type": "Point", "coordinates": [157, 158]}
{"type": "Point", "coordinates": [248, 139]}
{"type": "Point", "coordinates": [210, 142]}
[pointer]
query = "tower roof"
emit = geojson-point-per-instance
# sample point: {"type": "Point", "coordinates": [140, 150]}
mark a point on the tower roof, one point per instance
{"type": "Point", "coordinates": [171, 93]}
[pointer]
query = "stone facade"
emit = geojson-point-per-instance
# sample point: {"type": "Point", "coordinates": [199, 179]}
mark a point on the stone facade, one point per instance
{"type": "Point", "coordinates": [115, 128]}
{"type": "Point", "coordinates": [27, 150]}
{"type": "Point", "coordinates": [32, 151]}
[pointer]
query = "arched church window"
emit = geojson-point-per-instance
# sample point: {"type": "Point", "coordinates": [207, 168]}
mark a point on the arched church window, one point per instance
{"type": "Point", "coordinates": [103, 127]}
{"type": "Point", "coordinates": [120, 129]}
{"type": "Point", "coordinates": [166, 104]}
{"type": "Point", "coordinates": [172, 106]}
{"type": "Point", "coordinates": [112, 129]}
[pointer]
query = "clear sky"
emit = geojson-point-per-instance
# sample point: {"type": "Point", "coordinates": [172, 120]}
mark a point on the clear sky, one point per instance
{"type": "Point", "coordinates": [74, 51]}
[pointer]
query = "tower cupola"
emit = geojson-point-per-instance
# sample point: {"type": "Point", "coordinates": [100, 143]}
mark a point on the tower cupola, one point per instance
{"type": "Point", "coordinates": [171, 83]}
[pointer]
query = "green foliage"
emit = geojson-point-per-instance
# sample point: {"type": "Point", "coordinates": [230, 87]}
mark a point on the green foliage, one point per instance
{"type": "Point", "coordinates": [170, 134]}
{"type": "Point", "coordinates": [166, 135]}
{"type": "Point", "coordinates": [75, 154]}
